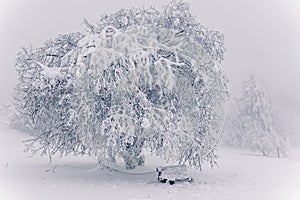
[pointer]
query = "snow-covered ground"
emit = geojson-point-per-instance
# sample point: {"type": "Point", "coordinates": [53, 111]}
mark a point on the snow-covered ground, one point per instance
{"type": "Point", "coordinates": [241, 175]}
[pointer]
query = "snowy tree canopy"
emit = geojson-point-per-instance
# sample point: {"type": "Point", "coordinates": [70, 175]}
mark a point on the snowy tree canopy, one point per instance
{"type": "Point", "coordinates": [254, 121]}
{"type": "Point", "coordinates": [140, 79]}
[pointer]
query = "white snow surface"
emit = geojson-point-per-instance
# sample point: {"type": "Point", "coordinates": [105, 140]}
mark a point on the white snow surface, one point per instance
{"type": "Point", "coordinates": [241, 175]}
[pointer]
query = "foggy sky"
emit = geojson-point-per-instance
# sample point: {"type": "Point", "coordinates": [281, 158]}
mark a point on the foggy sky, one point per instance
{"type": "Point", "coordinates": [262, 36]}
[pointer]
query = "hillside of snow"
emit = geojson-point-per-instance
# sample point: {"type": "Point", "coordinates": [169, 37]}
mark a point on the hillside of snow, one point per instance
{"type": "Point", "coordinates": [241, 175]}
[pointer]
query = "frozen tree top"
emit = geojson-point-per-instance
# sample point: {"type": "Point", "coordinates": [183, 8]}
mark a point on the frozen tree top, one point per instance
{"type": "Point", "coordinates": [175, 16]}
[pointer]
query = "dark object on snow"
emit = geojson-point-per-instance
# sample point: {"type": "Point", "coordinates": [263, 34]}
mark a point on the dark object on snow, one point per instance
{"type": "Point", "coordinates": [172, 174]}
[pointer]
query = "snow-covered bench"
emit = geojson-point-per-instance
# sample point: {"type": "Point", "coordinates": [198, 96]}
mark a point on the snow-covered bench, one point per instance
{"type": "Point", "coordinates": [172, 174]}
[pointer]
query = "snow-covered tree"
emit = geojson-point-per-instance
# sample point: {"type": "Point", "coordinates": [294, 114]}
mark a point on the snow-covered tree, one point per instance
{"type": "Point", "coordinates": [141, 79]}
{"type": "Point", "coordinates": [254, 123]}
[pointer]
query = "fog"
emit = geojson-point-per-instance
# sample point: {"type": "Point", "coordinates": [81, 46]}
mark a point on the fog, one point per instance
{"type": "Point", "coordinates": [262, 36]}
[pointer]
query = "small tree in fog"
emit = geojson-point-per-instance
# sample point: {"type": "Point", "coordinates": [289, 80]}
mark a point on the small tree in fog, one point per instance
{"type": "Point", "coordinates": [253, 124]}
